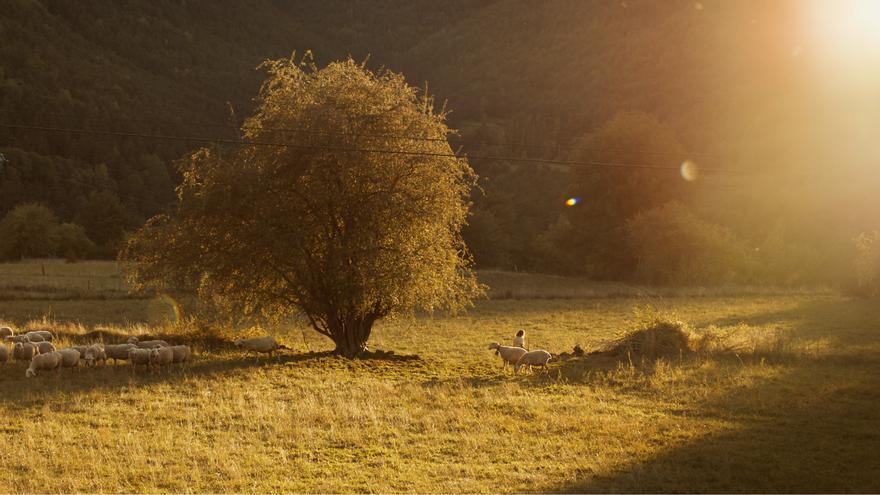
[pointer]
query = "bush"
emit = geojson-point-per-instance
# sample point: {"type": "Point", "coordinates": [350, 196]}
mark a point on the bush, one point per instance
{"type": "Point", "coordinates": [31, 230]}
{"type": "Point", "coordinates": [72, 242]}
{"type": "Point", "coordinates": [673, 246]}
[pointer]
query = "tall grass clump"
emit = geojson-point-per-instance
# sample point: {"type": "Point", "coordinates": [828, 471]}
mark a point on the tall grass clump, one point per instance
{"type": "Point", "coordinates": [656, 335]}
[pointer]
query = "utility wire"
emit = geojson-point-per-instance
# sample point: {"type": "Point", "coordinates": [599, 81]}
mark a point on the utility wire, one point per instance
{"type": "Point", "coordinates": [244, 126]}
{"type": "Point", "coordinates": [242, 142]}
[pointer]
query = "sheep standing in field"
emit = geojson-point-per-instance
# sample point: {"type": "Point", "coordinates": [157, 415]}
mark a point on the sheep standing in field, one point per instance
{"type": "Point", "coordinates": [28, 337]}
{"type": "Point", "coordinates": [263, 345]}
{"type": "Point", "coordinates": [118, 352]}
{"type": "Point", "coordinates": [147, 344]}
{"type": "Point", "coordinates": [162, 356]}
{"type": "Point", "coordinates": [43, 362]}
{"type": "Point", "coordinates": [152, 344]}
{"type": "Point", "coordinates": [181, 353]}
{"type": "Point", "coordinates": [69, 358]}
{"type": "Point", "coordinates": [6, 332]}
{"type": "Point", "coordinates": [4, 353]}
{"type": "Point", "coordinates": [538, 357]}
{"type": "Point", "coordinates": [24, 351]}
{"type": "Point", "coordinates": [44, 347]}
{"type": "Point", "coordinates": [509, 355]}
{"type": "Point", "coordinates": [44, 334]}
{"type": "Point", "coordinates": [144, 357]}
{"type": "Point", "coordinates": [81, 349]}
{"type": "Point", "coordinates": [93, 354]}
{"type": "Point", "coordinates": [520, 339]}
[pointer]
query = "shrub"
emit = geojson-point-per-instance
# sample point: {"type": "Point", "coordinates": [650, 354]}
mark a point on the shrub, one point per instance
{"type": "Point", "coordinates": [671, 245]}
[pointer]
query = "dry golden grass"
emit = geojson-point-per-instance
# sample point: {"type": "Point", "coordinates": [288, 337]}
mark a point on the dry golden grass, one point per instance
{"type": "Point", "coordinates": [797, 417]}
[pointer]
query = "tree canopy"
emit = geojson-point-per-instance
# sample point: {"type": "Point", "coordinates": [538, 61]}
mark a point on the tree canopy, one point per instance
{"type": "Point", "coordinates": [346, 207]}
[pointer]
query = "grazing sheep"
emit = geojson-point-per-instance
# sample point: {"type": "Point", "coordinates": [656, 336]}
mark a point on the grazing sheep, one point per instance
{"type": "Point", "coordinates": [28, 337]}
{"type": "Point", "coordinates": [93, 354]}
{"type": "Point", "coordinates": [538, 357]}
{"type": "Point", "coordinates": [145, 357]}
{"type": "Point", "coordinates": [181, 353]}
{"type": "Point", "coordinates": [4, 353]}
{"type": "Point", "coordinates": [152, 344]}
{"type": "Point", "coordinates": [163, 356]}
{"type": "Point", "coordinates": [81, 349]}
{"type": "Point", "coordinates": [509, 355]}
{"type": "Point", "coordinates": [520, 339]}
{"type": "Point", "coordinates": [118, 352]}
{"type": "Point", "coordinates": [43, 362]}
{"type": "Point", "coordinates": [147, 344]}
{"type": "Point", "coordinates": [45, 334]}
{"type": "Point", "coordinates": [44, 347]}
{"type": "Point", "coordinates": [24, 351]}
{"type": "Point", "coordinates": [260, 344]}
{"type": "Point", "coordinates": [6, 332]}
{"type": "Point", "coordinates": [69, 358]}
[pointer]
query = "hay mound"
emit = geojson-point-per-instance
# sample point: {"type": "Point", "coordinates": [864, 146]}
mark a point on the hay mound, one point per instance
{"type": "Point", "coordinates": [657, 338]}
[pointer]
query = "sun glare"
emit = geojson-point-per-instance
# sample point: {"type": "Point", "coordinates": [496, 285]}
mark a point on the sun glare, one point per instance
{"type": "Point", "coordinates": [846, 29]}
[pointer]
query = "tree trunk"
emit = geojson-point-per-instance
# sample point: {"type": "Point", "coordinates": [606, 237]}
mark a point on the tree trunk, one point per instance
{"type": "Point", "coordinates": [351, 336]}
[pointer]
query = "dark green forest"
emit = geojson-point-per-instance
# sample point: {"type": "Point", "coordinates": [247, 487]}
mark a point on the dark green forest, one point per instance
{"type": "Point", "coordinates": [643, 83]}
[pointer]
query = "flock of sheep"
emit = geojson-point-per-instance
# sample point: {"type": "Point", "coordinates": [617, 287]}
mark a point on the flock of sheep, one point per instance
{"type": "Point", "coordinates": [37, 348]}
{"type": "Point", "coordinates": [518, 355]}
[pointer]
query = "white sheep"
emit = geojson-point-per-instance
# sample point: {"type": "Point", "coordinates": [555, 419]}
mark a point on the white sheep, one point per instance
{"type": "Point", "coordinates": [538, 357]}
{"type": "Point", "coordinates": [163, 356]}
{"type": "Point", "coordinates": [27, 337]}
{"type": "Point", "coordinates": [520, 339]}
{"type": "Point", "coordinates": [45, 334]}
{"type": "Point", "coordinates": [509, 355]}
{"type": "Point", "coordinates": [181, 353]}
{"type": "Point", "coordinates": [6, 332]}
{"type": "Point", "coordinates": [81, 349]}
{"type": "Point", "coordinates": [43, 362]}
{"type": "Point", "coordinates": [152, 344]}
{"type": "Point", "coordinates": [266, 344]}
{"type": "Point", "coordinates": [93, 354]}
{"type": "Point", "coordinates": [147, 344]}
{"type": "Point", "coordinates": [69, 358]}
{"type": "Point", "coordinates": [118, 352]}
{"type": "Point", "coordinates": [44, 347]}
{"type": "Point", "coordinates": [24, 351]}
{"type": "Point", "coordinates": [145, 357]}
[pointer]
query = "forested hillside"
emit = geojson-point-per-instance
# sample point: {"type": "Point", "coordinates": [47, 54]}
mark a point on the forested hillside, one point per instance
{"type": "Point", "coordinates": [633, 82]}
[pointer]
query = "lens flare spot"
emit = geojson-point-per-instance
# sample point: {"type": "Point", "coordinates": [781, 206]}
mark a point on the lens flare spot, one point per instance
{"type": "Point", "coordinates": [163, 309]}
{"type": "Point", "coordinates": [574, 201]}
{"type": "Point", "coordinates": [689, 171]}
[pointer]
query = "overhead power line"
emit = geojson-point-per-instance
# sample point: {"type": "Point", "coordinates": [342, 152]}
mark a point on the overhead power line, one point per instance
{"type": "Point", "coordinates": [403, 137]}
{"type": "Point", "coordinates": [312, 147]}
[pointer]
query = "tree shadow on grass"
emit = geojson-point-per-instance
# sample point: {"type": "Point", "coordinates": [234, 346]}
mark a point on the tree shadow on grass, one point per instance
{"type": "Point", "coordinates": [811, 430]}
{"type": "Point", "coordinates": [16, 391]}
{"type": "Point", "coordinates": [845, 321]}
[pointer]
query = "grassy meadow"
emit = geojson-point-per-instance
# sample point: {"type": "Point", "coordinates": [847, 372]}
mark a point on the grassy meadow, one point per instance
{"type": "Point", "coordinates": [439, 415]}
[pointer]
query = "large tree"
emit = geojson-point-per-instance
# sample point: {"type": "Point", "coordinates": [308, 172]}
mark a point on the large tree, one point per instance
{"type": "Point", "coordinates": [346, 205]}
